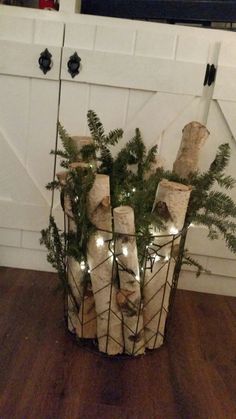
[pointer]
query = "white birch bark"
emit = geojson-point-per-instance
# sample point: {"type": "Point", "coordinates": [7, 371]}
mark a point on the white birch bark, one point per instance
{"type": "Point", "coordinates": [194, 137]}
{"type": "Point", "coordinates": [171, 203]}
{"type": "Point", "coordinates": [157, 164]}
{"type": "Point", "coordinates": [77, 305]}
{"type": "Point", "coordinates": [80, 142]}
{"type": "Point", "coordinates": [129, 297]}
{"type": "Point", "coordinates": [109, 319]}
{"type": "Point", "coordinates": [86, 325]}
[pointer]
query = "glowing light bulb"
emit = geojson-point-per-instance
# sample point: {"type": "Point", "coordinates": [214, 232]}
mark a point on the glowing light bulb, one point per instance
{"type": "Point", "coordinates": [167, 258]}
{"type": "Point", "coordinates": [89, 271]}
{"type": "Point", "coordinates": [99, 242]}
{"type": "Point", "coordinates": [134, 189]}
{"type": "Point", "coordinates": [125, 251]}
{"type": "Point", "coordinates": [173, 230]}
{"type": "Point", "coordinates": [82, 266]}
{"type": "Point", "coordinates": [157, 258]}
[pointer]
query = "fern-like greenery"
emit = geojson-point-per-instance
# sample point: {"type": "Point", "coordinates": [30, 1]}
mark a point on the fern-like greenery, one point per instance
{"type": "Point", "coordinates": [133, 183]}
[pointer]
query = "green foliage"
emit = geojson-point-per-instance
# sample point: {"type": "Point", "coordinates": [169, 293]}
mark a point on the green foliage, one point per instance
{"type": "Point", "coordinates": [53, 185]}
{"type": "Point", "coordinates": [54, 240]}
{"type": "Point", "coordinates": [190, 261]}
{"type": "Point", "coordinates": [79, 183]}
{"type": "Point", "coordinates": [214, 209]}
{"type": "Point", "coordinates": [71, 151]}
{"type": "Point", "coordinates": [134, 182]}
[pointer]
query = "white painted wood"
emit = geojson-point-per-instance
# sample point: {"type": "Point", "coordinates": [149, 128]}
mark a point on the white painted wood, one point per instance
{"type": "Point", "coordinates": [223, 267]}
{"type": "Point", "coordinates": [148, 27]}
{"type": "Point", "coordinates": [81, 36]}
{"type": "Point", "coordinates": [225, 85]}
{"type": "Point", "coordinates": [114, 40]}
{"type": "Point", "coordinates": [16, 257]}
{"type": "Point", "coordinates": [213, 284]}
{"type": "Point", "coordinates": [228, 109]}
{"type": "Point", "coordinates": [21, 29]}
{"type": "Point", "coordinates": [23, 60]}
{"type": "Point", "coordinates": [199, 244]}
{"type": "Point", "coordinates": [30, 240]}
{"type": "Point", "coordinates": [10, 237]}
{"type": "Point", "coordinates": [18, 215]}
{"type": "Point", "coordinates": [28, 108]}
{"type": "Point", "coordinates": [192, 48]}
{"type": "Point", "coordinates": [16, 183]}
{"type": "Point", "coordinates": [70, 6]}
{"type": "Point", "coordinates": [125, 71]}
{"type": "Point", "coordinates": [156, 44]}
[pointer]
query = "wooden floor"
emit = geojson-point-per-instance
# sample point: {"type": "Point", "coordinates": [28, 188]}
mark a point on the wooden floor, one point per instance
{"type": "Point", "coordinates": [44, 375]}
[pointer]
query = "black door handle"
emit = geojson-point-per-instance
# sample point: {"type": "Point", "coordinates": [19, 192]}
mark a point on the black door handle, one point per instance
{"type": "Point", "coordinates": [45, 61]}
{"type": "Point", "coordinates": [74, 65]}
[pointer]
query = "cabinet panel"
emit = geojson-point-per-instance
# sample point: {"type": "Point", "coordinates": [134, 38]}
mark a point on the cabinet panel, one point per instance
{"type": "Point", "coordinates": [28, 119]}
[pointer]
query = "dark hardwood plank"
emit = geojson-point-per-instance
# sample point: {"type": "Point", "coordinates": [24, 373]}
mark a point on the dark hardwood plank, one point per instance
{"type": "Point", "coordinates": [45, 375]}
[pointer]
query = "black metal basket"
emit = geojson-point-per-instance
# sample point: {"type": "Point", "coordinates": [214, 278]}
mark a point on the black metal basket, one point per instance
{"type": "Point", "coordinates": [159, 268]}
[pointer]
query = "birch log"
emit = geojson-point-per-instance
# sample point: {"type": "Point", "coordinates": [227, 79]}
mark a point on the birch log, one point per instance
{"type": "Point", "coordinates": [194, 137]}
{"type": "Point", "coordinates": [80, 142]}
{"type": "Point", "coordinates": [158, 163]}
{"type": "Point", "coordinates": [129, 297]}
{"type": "Point", "coordinates": [86, 324]}
{"type": "Point", "coordinates": [171, 203]}
{"type": "Point", "coordinates": [81, 311]}
{"type": "Point", "coordinates": [109, 319]}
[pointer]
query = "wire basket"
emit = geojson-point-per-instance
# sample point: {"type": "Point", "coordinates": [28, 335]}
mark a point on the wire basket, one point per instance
{"type": "Point", "coordinates": [128, 313]}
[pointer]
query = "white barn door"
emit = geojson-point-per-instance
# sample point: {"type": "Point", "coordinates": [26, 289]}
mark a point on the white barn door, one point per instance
{"type": "Point", "coordinates": [221, 123]}
{"type": "Point", "coordinates": [152, 77]}
{"type": "Point", "coordinates": [28, 116]}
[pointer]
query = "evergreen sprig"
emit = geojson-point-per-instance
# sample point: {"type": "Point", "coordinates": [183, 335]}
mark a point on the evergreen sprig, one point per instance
{"type": "Point", "coordinates": [134, 183]}
{"type": "Point", "coordinates": [54, 240]}
{"type": "Point", "coordinates": [190, 261]}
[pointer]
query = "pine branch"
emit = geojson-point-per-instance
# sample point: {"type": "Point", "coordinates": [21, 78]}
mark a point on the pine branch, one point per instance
{"type": "Point", "coordinates": [88, 152]}
{"type": "Point", "coordinates": [60, 153]}
{"type": "Point", "coordinates": [150, 158]}
{"type": "Point", "coordinates": [190, 261]}
{"type": "Point", "coordinates": [225, 181]}
{"type": "Point", "coordinates": [96, 128]}
{"type": "Point", "coordinates": [54, 241]}
{"type": "Point", "coordinates": [114, 136]}
{"type": "Point", "coordinates": [221, 204]}
{"type": "Point", "coordinates": [68, 144]}
{"type": "Point", "coordinates": [55, 184]}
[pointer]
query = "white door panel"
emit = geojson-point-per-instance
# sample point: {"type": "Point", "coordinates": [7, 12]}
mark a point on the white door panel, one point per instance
{"type": "Point", "coordinates": [28, 119]}
{"type": "Point", "coordinates": [147, 79]}
{"type": "Point", "coordinates": [136, 72]}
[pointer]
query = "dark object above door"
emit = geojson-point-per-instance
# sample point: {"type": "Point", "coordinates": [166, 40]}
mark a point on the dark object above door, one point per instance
{"type": "Point", "coordinates": [169, 10]}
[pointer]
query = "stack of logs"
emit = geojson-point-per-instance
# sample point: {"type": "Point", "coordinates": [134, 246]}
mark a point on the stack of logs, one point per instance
{"type": "Point", "coordinates": [125, 318]}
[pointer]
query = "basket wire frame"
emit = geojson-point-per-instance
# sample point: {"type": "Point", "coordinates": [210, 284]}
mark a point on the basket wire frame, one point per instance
{"type": "Point", "coordinates": [152, 251]}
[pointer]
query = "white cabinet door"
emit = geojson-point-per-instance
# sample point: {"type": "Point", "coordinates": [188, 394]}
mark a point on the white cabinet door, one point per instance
{"type": "Point", "coordinates": [151, 77]}
{"type": "Point", "coordinates": [28, 119]}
